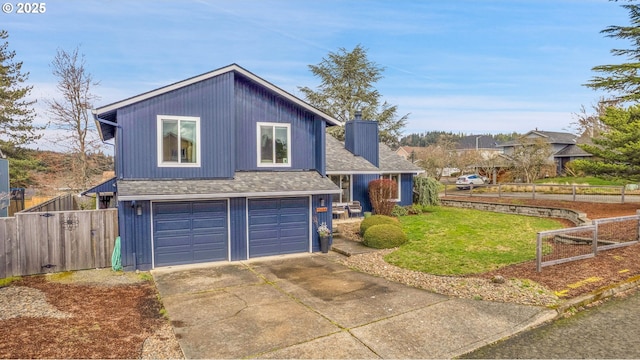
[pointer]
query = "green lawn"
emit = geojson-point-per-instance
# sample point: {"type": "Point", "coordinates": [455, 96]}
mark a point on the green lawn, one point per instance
{"type": "Point", "coordinates": [451, 241]}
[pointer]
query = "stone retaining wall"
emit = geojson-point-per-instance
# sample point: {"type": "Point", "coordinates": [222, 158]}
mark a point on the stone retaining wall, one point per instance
{"type": "Point", "coordinates": [578, 218]}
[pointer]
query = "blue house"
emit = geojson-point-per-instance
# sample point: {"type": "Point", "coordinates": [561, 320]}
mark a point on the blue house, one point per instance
{"type": "Point", "coordinates": [223, 166]}
{"type": "Point", "coordinates": [226, 166]}
{"type": "Point", "coordinates": [360, 159]}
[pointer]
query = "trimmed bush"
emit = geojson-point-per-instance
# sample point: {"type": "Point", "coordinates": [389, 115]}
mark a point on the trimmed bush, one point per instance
{"type": "Point", "coordinates": [384, 236]}
{"type": "Point", "coordinates": [377, 220]}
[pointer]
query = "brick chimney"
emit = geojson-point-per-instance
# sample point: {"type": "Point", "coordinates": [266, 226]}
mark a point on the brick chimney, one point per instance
{"type": "Point", "coordinates": [361, 138]}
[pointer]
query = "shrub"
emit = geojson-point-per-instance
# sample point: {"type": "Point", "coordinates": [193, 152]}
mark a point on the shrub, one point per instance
{"type": "Point", "coordinates": [415, 209]}
{"type": "Point", "coordinates": [399, 211]}
{"type": "Point", "coordinates": [384, 236]}
{"type": "Point", "coordinates": [426, 191]}
{"type": "Point", "coordinates": [377, 220]}
{"type": "Point", "coordinates": [380, 194]}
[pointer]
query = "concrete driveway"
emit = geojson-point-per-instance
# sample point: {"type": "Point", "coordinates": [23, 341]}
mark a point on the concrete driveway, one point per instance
{"type": "Point", "coordinates": [310, 306]}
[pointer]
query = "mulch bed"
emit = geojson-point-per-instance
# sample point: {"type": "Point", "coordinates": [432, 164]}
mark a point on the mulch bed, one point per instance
{"type": "Point", "coordinates": [104, 322]}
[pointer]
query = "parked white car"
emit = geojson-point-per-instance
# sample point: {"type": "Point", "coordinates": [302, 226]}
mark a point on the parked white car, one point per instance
{"type": "Point", "coordinates": [465, 181]}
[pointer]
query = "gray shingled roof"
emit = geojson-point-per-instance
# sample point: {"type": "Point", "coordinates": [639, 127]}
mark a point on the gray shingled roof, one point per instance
{"type": "Point", "coordinates": [342, 160]}
{"type": "Point", "coordinates": [572, 151]}
{"type": "Point", "coordinates": [392, 162]}
{"type": "Point", "coordinates": [249, 183]}
{"type": "Point", "coordinates": [551, 137]}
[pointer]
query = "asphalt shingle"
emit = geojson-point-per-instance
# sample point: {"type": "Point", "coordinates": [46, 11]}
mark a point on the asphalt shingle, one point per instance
{"type": "Point", "coordinates": [249, 183]}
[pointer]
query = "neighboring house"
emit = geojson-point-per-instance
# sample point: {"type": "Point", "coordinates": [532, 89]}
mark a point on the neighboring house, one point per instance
{"type": "Point", "coordinates": [361, 158]}
{"type": "Point", "coordinates": [484, 145]}
{"type": "Point", "coordinates": [223, 166]}
{"type": "Point", "coordinates": [564, 147]}
{"type": "Point", "coordinates": [5, 194]}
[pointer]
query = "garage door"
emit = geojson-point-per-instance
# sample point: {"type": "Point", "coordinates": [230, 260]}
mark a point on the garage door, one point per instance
{"type": "Point", "coordinates": [189, 232]}
{"type": "Point", "coordinates": [278, 226]}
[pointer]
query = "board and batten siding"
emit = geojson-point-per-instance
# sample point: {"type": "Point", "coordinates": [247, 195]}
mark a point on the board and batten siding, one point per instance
{"type": "Point", "coordinates": [135, 235]}
{"type": "Point", "coordinates": [238, 228]}
{"type": "Point", "coordinates": [406, 189]}
{"type": "Point", "coordinates": [36, 243]}
{"type": "Point", "coordinates": [211, 100]}
{"type": "Point", "coordinates": [255, 104]}
{"type": "Point", "coordinates": [361, 189]}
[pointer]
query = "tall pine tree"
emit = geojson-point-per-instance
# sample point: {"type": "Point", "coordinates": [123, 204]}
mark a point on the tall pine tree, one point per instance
{"type": "Point", "coordinates": [347, 85]}
{"type": "Point", "coordinates": [622, 79]}
{"type": "Point", "coordinates": [16, 112]}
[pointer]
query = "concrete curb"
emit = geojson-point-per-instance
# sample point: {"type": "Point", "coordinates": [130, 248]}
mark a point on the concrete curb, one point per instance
{"type": "Point", "coordinates": [599, 294]}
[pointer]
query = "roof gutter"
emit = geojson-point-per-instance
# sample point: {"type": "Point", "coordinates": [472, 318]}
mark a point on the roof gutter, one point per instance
{"type": "Point", "coordinates": [223, 195]}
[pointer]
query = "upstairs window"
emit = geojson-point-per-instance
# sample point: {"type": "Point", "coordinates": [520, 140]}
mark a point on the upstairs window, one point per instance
{"type": "Point", "coordinates": [178, 141]}
{"type": "Point", "coordinates": [274, 141]}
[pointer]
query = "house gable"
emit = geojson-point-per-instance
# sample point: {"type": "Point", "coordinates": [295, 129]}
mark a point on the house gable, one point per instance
{"type": "Point", "coordinates": [226, 104]}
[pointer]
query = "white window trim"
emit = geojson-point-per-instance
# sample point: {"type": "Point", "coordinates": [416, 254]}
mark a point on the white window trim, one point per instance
{"type": "Point", "coordinates": [258, 147]}
{"type": "Point", "coordinates": [161, 163]}
{"type": "Point", "coordinates": [340, 186]}
{"type": "Point", "coordinates": [399, 183]}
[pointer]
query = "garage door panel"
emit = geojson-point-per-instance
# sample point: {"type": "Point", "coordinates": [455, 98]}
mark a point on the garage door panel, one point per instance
{"type": "Point", "coordinates": [171, 208]}
{"type": "Point", "coordinates": [262, 204]}
{"type": "Point", "coordinates": [190, 232]}
{"type": "Point", "coordinates": [172, 225]}
{"type": "Point", "coordinates": [210, 239]}
{"type": "Point", "coordinates": [173, 257]}
{"type": "Point", "coordinates": [210, 208]}
{"type": "Point", "coordinates": [298, 218]}
{"type": "Point", "coordinates": [172, 240]}
{"type": "Point", "coordinates": [209, 224]}
{"type": "Point", "coordinates": [290, 232]}
{"type": "Point", "coordinates": [259, 218]}
{"type": "Point", "coordinates": [287, 203]}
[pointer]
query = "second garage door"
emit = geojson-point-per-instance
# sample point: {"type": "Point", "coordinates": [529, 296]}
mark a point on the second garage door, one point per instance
{"type": "Point", "coordinates": [278, 226]}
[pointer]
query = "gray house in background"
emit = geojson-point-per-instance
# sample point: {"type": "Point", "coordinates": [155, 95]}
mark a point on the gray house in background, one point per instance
{"type": "Point", "coordinates": [564, 147]}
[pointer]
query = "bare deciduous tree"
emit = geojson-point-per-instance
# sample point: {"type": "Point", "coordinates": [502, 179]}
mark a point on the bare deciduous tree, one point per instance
{"type": "Point", "coordinates": [588, 124]}
{"type": "Point", "coordinates": [530, 157]}
{"type": "Point", "coordinates": [70, 113]}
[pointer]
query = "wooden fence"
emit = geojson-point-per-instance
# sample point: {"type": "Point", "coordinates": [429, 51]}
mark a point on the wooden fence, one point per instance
{"type": "Point", "coordinates": [59, 203]}
{"type": "Point", "coordinates": [35, 243]}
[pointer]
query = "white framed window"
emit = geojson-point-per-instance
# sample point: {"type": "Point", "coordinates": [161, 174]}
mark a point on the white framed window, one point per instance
{"type": "Point", "coordinates": [274, 144]}
{"type": "Point", "coordinates": [344, 183]}
{"type": "Point", "coordinates": [178, 141]}
{"type": "Point", "coordinates": [396, 178]}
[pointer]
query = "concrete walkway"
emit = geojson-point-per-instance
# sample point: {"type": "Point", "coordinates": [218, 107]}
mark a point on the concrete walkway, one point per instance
{"type": "Point", "coordinates": [309, 306]}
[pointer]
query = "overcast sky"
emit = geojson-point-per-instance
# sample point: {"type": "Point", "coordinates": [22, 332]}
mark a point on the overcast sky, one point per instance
{"type": "Point", "coordinates": [470, 66]}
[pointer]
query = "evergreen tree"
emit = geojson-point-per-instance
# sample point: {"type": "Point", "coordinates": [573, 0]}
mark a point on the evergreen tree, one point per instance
{"type": "Point", "coordinates": [16, 113]}
{"type": "Point", "coordinates": [616, 150]}
{"type": "Point", "coordinates": [347, 85]}
{"type": "Point", "coordinates": [622, 79]}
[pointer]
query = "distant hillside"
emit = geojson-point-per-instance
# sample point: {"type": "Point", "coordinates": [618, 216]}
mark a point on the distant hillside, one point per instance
{"type": "Point", "coordinates": [432, 137]}
{"type": "Point", "coordinates": [48, 172]}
